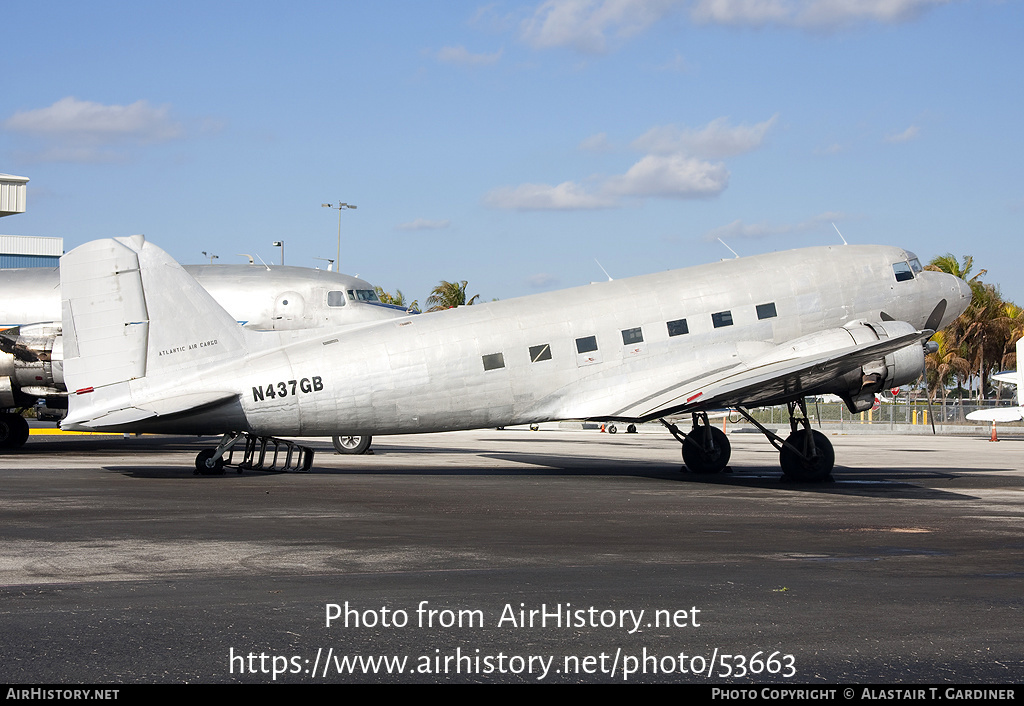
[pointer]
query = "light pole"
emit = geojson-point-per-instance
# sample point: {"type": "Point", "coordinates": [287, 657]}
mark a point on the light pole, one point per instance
{"type": "Point", "coordinates": [279, 244]}
{"type": "Point", "coordinates": [341, 207]}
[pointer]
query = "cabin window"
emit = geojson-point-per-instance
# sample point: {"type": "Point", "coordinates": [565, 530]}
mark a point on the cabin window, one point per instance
{"type": "Point", "coordinates": [722, 318]}
{"type": "Point", "coordinates": [903, 271]}
{"type": "Point", "coordinates": [632, 335]}
{"type": "Point", "coordinates": [494, 361]}
{"type": "Point", "coordinates": [585, 345]}
{"type": "Point", "coordinates": [766, 311]}
{"type": "Point", "coordinates": [539, 353]}
{"type": "Point", "coordinates": [336, 298]}
{"type": "Point", "coordinates": [677, 327]}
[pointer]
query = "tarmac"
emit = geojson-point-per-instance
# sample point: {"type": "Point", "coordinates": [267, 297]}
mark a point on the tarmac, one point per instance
{"type": "Point", "coordinates": [555, 556]}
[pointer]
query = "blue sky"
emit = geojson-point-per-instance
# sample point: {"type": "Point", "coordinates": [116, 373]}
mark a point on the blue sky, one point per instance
{"type": "Point", "coordinates": [512, 143]}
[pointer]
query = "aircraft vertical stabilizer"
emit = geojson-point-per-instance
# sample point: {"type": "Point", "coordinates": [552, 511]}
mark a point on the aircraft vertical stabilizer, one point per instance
{"type": "Point", "coordinates": [135, 322]}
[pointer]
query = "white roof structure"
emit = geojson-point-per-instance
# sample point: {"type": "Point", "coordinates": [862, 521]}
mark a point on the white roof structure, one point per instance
{"type": "Point", "coordinates": [31, 245]}
{"type": "Point", "coordinates": [13, 190]}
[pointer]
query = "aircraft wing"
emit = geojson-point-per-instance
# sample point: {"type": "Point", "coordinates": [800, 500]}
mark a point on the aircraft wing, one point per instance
{"type": "Point", "coordinates": [778, 381]}
{"type": "Point", "coordinates": [1008, 377]}
{"type": "Point", "coordinates": [997, 414]}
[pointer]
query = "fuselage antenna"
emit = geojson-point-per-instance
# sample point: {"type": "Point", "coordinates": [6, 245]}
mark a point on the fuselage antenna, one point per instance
{"type": "Point", "coordinates": [729, 249]}
{"type": "Point", "coordinates": [603, 270]}
{"type": "Point", "coordinates": [840, 235]}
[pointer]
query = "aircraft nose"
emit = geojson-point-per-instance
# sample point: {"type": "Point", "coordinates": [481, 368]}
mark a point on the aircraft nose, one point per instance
{"type": "Point", "coordinates": [959, 300]}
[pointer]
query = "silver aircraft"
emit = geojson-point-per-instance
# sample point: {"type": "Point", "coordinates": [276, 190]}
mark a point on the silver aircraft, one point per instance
{"type": "Point", "coordinates": [257, 296]}
{"type": "Point", "coordinates": [148, 350]}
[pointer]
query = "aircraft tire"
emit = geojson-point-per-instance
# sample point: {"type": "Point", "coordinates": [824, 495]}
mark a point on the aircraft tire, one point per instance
{"type": "Point", "coordinates": [631, 429]}
{"type": "Point", "coordinates": [612, 429]}
{"type": "Point", "coordinates": [798, 469]}
{"type": "Point", "coordinates": [13, 431]}
{"type": "Point", "coordinates": [206, 466]}
{"type": "Point", "coordinates": [699, 461]}
{"type": "Point", "coordinates": [348, 444]}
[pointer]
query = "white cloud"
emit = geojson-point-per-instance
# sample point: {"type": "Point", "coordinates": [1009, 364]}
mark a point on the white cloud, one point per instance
{"type": "Point", "coordinates": [73, 130]}
{"type": "Point", "coordinates": [463, 57]}
{"type": "Point", "coordinates": [715, 140]}
{"type": "Point", "coordinates": [589, 26]}
{"type": "Point", "coordinates": [738, 230]}
{"type": "Point", "coordinates": [911, 133]}
{"type": "Point", "coordinates": [809, 14]}
{"type": "Point", "coordinates": [585, 24]}
{"type": "Point", "coordinates": [677, 166]}
{"type": "Point", "coordinates": [70, 117]}
{"type": "Point", "coordinates": [424, 224]}
{"type": "Point", "coordinates": [596, 143]}
{"type": "Point", "coordinates": [676, 176]}
{"type": "Point", "coordinates": [567, 196]}
{"type": "Point", "coordinates": [541, 280]}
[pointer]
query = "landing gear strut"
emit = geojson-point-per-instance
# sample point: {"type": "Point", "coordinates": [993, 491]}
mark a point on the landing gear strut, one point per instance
{"type": "Point", "coordinates": [706, 449]}
{"type": "Point", "coordinates": [262, 453]}
{"type": "Point", "coordinates": [805, 455]}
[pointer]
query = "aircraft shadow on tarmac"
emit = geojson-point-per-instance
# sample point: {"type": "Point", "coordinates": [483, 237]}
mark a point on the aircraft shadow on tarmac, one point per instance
{"type": "Point", "coordinates": [919, 484]}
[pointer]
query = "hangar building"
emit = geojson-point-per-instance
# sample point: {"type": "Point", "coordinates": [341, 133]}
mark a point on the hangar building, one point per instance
{"type": "Point", "coordinates": [24, 250]}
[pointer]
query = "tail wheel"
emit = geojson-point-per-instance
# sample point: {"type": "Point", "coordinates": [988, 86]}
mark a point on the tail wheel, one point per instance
{"type": "Point", "coordinates": [706, 450]}
{"type": "Point", "coordinates": [348, 444]}
{"type": "Point", "coordinates": [207, 466]}
{"type": "Point", "coordinates": [803, 468]}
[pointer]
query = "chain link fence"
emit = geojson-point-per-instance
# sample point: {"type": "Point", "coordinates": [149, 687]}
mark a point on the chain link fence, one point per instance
{"type": "Point", "coordinates": [893, 412]}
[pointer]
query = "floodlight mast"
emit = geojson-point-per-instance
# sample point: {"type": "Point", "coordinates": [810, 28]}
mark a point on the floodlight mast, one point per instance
{"type": "Point", "coordinates": [340, 206]}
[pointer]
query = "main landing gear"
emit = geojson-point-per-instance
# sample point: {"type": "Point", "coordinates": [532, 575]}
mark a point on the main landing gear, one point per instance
{"type": "Point", "coordinates": [13, 430]}
{"type": "Point", "coordinates": [262, 453]}
{"type": "Point", "coordinates": [805, 455]}
{"type": "Point", "coordinates": [706, 449]}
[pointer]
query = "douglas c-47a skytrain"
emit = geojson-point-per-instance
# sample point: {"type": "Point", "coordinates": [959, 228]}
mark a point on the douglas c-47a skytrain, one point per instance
{"type": "Point", "coordinates": [146, 349]}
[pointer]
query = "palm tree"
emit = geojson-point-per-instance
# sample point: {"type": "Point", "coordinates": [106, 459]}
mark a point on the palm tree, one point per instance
{"type": "Point", "coordinates": [448, 295]}
{"type": "Point", "coordinates": [982, 332]}
{"type": "Point", "coordinates": [396, 299]}
{"type": "Point", "coordinates": [944, 366]}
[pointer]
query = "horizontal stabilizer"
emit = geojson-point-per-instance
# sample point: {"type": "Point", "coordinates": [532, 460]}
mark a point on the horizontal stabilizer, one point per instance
{"type": "Point", "coordinates": [164, 407]}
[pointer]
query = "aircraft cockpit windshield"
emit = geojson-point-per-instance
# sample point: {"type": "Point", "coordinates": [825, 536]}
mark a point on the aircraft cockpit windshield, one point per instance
{"type": "Point", "coordinates": [363, 295]}
{"type": "Point", "coordinates": [907, 269]}
{"type": "Point", "coordinates": [336, 298]}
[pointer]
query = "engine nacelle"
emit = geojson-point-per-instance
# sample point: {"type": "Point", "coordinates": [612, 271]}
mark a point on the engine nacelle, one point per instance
{"type": "Point", "coordinates": [900, 367]}
{"type": "Point", "coordinates": [31, 363]}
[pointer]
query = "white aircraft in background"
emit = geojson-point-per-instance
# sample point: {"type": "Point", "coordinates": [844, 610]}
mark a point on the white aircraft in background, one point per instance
{"type": "Point", "coordinates": [1011, 377]}
{"type": "Point", "coordinates": [146, 349]}
{"type": "Point", "coordinates": [257, 297]}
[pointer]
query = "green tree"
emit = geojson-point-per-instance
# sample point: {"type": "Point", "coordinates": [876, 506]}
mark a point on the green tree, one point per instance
{"type": "Point", "coordinates": [987, 329]}
{"type": "Point", "coordinates": [448, 295]}
{"type": "Point", "coordinates": [396, 299]}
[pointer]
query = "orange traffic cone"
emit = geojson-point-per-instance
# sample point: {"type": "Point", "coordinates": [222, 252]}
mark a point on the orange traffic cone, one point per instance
{"type": "Point", "coordinates": [994, 437]}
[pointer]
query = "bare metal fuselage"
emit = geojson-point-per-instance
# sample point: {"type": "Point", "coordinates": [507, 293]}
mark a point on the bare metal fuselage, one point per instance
{"type": "Point", "coordinates": [611, 350]}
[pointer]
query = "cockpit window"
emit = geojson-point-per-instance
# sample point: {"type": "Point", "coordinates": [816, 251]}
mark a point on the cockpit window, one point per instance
{"type": "Point", "coordinates": [336, 298]}
{"type": "Point", "coordinates": [903, 271]}
{"type": "Point", "coordinates": [362, 295]}
{"type": "Point", "coordinates": [915, 265]}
